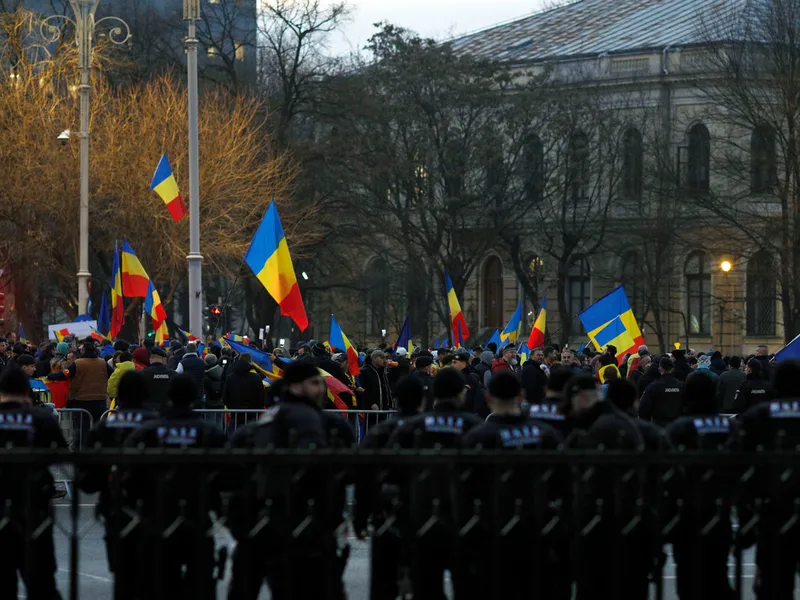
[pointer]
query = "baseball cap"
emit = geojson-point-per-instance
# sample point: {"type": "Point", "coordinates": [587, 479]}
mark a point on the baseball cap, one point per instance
{"type": "Point", "coordinates": [401, 351]}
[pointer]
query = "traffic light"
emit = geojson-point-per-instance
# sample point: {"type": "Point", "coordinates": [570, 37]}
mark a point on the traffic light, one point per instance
{"type": "Point", "coordinates": [2, 308]}
{"type": "Point", "coordinates": [215, 310]}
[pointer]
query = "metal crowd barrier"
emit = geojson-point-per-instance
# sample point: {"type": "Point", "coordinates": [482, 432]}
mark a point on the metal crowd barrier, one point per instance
{"type": "Point", "coordinates": [75, 424]}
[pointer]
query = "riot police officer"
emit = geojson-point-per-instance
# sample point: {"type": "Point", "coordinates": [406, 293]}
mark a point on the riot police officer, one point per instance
{"type": "Point", "coordinates": [112, 432]}
{"type": "Point", "coordinates": [27, 534]}
{"type": "Point", "coordinates": [427, 506]}
{"type": "Point", "coordinates": [283, 518]}
{"type": "Point", "coordinates": [662, 401]}
{"type": "Point", "coordinates": [174, 502]}
{"type": "Point", "coordinates": [702, 540]}
{"type": "Point", "coordinates": [516, 508]}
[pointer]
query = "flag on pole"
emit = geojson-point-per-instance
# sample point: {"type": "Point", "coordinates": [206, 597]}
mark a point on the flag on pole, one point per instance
{"type": "Point", "coordinates": [187, 337]}
{"type": "Point", "coordinates": [22, 337]}
{"type": "Point", "coordinates": [268, 256]}
{"type": "Point", "coordinates": [117, 300]}
{"type": "Point", "coordinates": [495, 339]}
{"type": "Point", "coordinates": [524, 353]}
{"type": "Point", "coordinates": [513, 330]}
{"type": "Point", "coordinates": [166, 187]}
{"type": "Point", "coordinates": [536, 339]}
{"type": "Point", "coordinates": [61, 334]}
{"type": "Point", "coordinates": [103, 317]}
{"type": "Point", "coordinates": [404, 340]}
{"type": "Point", "coordinates": [97, 336]}
{"type": "Point", "coordinates": [135, 281]}
{"type": "Point", "coordinates": [610, 322]}
{"type": "Point", "coordinates": [162, 333]}
{"type": "Point", "coordinates": [458, 323]}
{"type": "Point", "coordinates": [153, 307]}
{"type": "Point", "coordinates": [340, 342]}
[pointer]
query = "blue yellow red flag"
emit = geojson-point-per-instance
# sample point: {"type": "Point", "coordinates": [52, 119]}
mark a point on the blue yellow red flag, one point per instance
{"type": "Point", "coordinates": [339, 341]}
{"type": "Point", "coordinates": [135, 280]}
{"type": "Point", "coordinates": [610, 321]}
{"type": "Point", "coordinates": [166, 187]}
{"type": "Point", "coordinates": [117, 299]}
{"type": "Point", "coordinates": [458, 323]}
{"type": "Point", "coordinates": [536, 339]}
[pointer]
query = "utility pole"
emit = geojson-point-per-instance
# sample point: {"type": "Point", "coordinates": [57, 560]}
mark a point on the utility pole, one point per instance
{"type": "Point", "coordinates": [191, 13]}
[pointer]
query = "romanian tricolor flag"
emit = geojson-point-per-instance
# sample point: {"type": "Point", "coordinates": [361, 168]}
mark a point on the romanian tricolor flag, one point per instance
{"type": "Point", "coordinates": [22, 337]}
{"type": "Point", "coordinates": [536, 339]}
{"type": "Point", "coordinates": [340, 342]}
{"type": "Point", "coordinates": [164, 185]}
{"type": "Point", "coordinates": [610, 322]}
{"type": "Point", "coordinates": [162, 333]}
{"type": "Point", "coordinates": [135, 281]}
{"type": "Point", "coordinates": [97, 336]}
{"type": "Point", "coordinates": [117, 302]}
{"type": "Point", "coordinates": [457, 321]}
{"type": "Point", "coordinates": [61, 334]}
{"type": "Point", "coordinates": [512, 331]}
{"type": "Point", "coordinates": [268, 257]}
{"type": "Point", "coordinates": [153, 307]}
{"type": "Point", "coordinates": [187, 337]}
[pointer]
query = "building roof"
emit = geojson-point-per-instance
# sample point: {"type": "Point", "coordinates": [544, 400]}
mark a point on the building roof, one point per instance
{"type": "Point", "coordinates": [589, 27]}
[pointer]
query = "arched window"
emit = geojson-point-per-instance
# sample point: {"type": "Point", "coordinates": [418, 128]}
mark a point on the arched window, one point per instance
{"type": "Point", "coordinates": [699, 159]}
{"type": "Point", "coordinates": [378, 295]}
{"type": "Point", "coordinates": [578, 171]}
{"type": "Point", "coordinates": [533, 169]}
{"type": "Point", "coordinates": [579, 283]}
{"type": "Point", "coordinates": [632, 164]}
{"type": "Point", "coordinates": [763, 168]}
{"type": "Point", "coordinates": [493, 293]}
{"type": "Point", "coordinates": [631, 278]}
{"type": "Point", "coordinates": [761, 295]}
{"type": "Point", "coordinates": [698, 294]}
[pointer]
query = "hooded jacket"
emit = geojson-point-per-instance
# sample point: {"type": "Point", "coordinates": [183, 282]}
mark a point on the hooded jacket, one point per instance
{"type": "Point", "coordinates": [244, 389]}
{"type": "Point", "coordinates": [119, 371]}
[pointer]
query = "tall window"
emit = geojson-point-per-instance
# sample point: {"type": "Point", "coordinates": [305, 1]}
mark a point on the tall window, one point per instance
{"type": "Point", "coordinates": [379, 292]}
{"type": "Point", "coordinates": [763, 168]}
{"type": "Point", "coordinates": [578, 171]}
{"type": "Point", "coordinates": [579, 282]}
{"type": "Point", "coordinates": [632, 164]}
{"type": "Point", "coordinates": [761, 295]}
{"type": "Point", "coordinates": [493, 293]}
{"type": "Point", "coordinates": [698, 294]}
{"type": "Point", "coordinates": [533, 169]}
{"type": "Point", "coordinates": [631, 278]}
{"type": "Point", "coordinates": [698, 159]}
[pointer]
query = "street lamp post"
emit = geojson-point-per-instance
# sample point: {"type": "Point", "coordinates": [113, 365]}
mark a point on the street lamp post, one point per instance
{"type": "Point", "coordinates": [85, 26]}
{"type": "Point", "coordinates": [191, 13]}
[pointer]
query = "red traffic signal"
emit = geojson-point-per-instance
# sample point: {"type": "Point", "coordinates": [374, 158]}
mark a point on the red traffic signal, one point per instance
{"type": "Point", "coordinates": [215, 310]}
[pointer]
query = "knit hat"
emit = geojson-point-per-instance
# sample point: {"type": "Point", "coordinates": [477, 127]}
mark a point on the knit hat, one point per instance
{"type": "Point", "coordinates": [300, 371]}
{"type": "Point", "coordinates": [704, 361]}
{"type": "Point", "coordinates": [141, 355]}
{"type": "Point", "coordinates": [211, 360]}
{"type": "Point", "coordinates": [62, 348]}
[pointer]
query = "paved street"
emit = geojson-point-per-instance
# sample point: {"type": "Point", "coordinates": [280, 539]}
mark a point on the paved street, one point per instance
{"type": "Point", "coordinates": [96, 583]}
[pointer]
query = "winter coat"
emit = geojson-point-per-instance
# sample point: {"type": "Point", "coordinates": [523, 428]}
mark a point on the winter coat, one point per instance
{"type": "Point", "coordinates": [119, 371]}
{"type": "Point", "coordinates": [244, 389]}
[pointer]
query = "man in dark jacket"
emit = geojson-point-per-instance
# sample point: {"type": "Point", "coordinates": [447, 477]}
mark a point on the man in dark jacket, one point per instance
{"type": "Point", "coordinates": [534, 381]}
{"type": "Point", "coordinates": [651, 373]}
{"type": "Point", "coordinates": [754, 389]}
{"type": "Point", "coordinates": [212, 382]}
{"type": "Point", "coordinates": [375, 381]}
{"type": "Point", "coordinates": [762, 356]}
{"type": "Point", "coordinates": [176, 352]}
{"type": "Point", "coordinates": [701, 552]}
{"type": "Point", "coordinates": [422, 373]}
{"type": "Point", "coordinates": [662, 401]}
{"type": "Point", "coordinates": [244, 388]}
{"type": "Point", "coordinates": [194, 367]}
{"type": "Point", "coordinates": [682, 369]}
{"type": "Point", "coordinates": [43, 361]}
{"type": "Point", "coordinates": [729, 383]}
{"type": "Point", "coordinates": [485, 364]}
{"type": "Point", "coordinates": [158, 378]}
{"type": "Point", "coordinates": [475, 401]}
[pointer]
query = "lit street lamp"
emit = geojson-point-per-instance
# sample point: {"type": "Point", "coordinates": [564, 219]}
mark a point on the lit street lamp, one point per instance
{"type": "Point", "coordinates": [85, 26]}
{"type": "Point", "coordinates": [726, 266]}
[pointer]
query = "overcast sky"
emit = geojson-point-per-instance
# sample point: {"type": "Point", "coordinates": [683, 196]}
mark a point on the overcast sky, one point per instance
{"type": "Point", "coordinates": [429, 18]}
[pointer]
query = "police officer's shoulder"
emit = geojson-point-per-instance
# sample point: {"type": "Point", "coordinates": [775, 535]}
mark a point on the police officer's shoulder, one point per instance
{"type": "Point", "coordinates": [337, 430]}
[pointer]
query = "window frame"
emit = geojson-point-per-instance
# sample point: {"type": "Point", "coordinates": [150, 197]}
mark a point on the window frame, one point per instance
{"type": "Point", "coordinates": [701, 280]}
{"type": "Point", "coordinates": [761, 291]}
{"type": "Point", "coordinates": [698, 159]}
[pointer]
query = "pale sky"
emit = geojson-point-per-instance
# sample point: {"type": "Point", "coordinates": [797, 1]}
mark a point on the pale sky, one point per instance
{"type": "Point", "coordinates": [430, 18]}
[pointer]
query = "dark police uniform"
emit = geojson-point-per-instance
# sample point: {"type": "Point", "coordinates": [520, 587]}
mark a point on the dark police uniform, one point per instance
{"type": "Point", "coordinates": [27, 537]}
{"type": "Point", "coordinates": [771, 495]}
{"type": "Point", "coordinates": [279, 536]}
{"type": "Point", "coordinates": [428, 509]}
{"type": "Point", "coordinates": [608, 563]}
{"type": "Point", "coordinates": [702, 539]}
{"type": "Point", "coordinates": [514, 509]}
{"type": "Point", "coordinates": [752, 391]}
{"type": "Point", "coordinates": [158, 379]}
{"type": "Point", "coordinates": [550, 413]}
{"type": "Point", "coordinates": [662, 401]}
{"type": "Point", "coordinates": [177, 557]}
{"type": "Point", "coordinates": [112, 432]}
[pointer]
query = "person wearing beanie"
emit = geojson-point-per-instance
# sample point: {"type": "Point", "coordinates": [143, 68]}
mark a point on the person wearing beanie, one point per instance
{"type": "Point", "coordinates": [27, 491]}
{"type": "Point", "coordinates": [121, 346]}
{"type": "Point", "coordinates": [62, 349]}
{"type": "Point", "coordinates": [485, 366]}
{"type": "Point", "coordinates": [168, 497]}
{"type": "Point", "coordinates": [212, 382]}
{"type": "Point", "coordinates": [754, 389]}
{"type": "Point", "coordinates": [704, 368]}
{"type": "Point", "coordinates": [141, 358]}
{"type": "Point", "coordinates": [194, 366]}
{"type": "Point", "coordinates": [662, 401]}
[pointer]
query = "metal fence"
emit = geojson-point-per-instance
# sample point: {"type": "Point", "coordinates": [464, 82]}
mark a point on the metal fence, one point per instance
{"type": "Point", "coordinates": [515, 525]}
